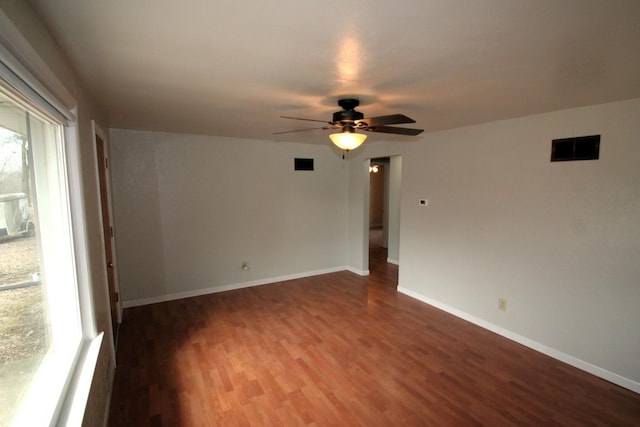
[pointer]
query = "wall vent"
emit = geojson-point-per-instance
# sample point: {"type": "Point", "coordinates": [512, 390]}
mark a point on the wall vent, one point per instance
{"type": "Point", "coordinates": [578, 148]}
{"type": "Point", "coordinates": [303, 164]}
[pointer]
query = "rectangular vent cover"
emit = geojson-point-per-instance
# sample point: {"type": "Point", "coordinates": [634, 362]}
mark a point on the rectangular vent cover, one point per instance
{"type": "Point", "coordinates": [303, 164]}
{"type": "Point", "coordinates": [578, 148]}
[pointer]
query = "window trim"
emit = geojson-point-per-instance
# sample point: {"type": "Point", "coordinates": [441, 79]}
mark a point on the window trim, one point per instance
{"type": "Point", "coordinates": [70, 402]}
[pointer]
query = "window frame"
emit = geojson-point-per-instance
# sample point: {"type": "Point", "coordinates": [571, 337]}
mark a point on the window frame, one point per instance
{"type": "Point", "coordinates": [65, 405]}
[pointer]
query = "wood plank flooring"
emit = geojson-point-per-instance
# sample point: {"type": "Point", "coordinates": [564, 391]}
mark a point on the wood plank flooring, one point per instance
{"type": "Point", "coordinates": [341, 350]}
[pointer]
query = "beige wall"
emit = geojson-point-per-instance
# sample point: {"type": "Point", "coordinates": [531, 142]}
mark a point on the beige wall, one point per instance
{"type": "Point", "coordinates": [560, 241]}
{"type": "Point", "coordinates": [190, 209]}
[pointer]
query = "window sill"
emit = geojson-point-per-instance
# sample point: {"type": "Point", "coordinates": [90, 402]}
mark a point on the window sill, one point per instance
{"type": "Point", "coordinates": [75, 401]}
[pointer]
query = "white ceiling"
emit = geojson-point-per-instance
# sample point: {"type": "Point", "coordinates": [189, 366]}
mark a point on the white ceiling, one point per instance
{"type": "Point", "coordinates": [232, 67]}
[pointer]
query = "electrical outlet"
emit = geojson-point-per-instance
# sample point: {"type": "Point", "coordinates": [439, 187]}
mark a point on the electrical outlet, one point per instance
{"type": "Point", "coordinates": [502, 304]}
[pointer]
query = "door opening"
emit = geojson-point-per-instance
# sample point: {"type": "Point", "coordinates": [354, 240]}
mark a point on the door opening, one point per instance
{"type": "Point", "coordinates": [378, 200]}
{"type": "Point", "coordinates": [384, 208]}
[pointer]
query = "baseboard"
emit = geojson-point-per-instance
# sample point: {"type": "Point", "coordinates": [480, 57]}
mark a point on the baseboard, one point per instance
{"type": "Point", "coordinates": [358, 271]}
{"type": "Point", "coordinates": [230, 287]}
{"type": "Point", "coordinates": [551, 352]}
{"type": "Point", "coordinates": [393, 261]}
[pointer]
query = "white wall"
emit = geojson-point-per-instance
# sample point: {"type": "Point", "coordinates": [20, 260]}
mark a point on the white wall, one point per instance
{"type": "Point", "coordinates": [560, 241]}
{"type": "Point", "coordinates": [189, 209]}
{"type": "Point", "coordinates": [358, 212]}
{"type": "Point", "coordinates": [395, 193]}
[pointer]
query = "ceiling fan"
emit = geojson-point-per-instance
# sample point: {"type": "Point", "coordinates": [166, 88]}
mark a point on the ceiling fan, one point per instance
{"type": "Point", "coordinates": [349, 120]}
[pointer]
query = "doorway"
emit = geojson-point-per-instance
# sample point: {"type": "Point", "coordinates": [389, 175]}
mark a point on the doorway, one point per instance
{"type": "Point", "coordinates": [384, 211]}
{"type": "Point", "coordinates": [378, 200]}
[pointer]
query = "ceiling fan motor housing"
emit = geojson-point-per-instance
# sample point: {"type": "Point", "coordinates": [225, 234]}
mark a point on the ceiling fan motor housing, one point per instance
{"type": "Point", "coordinates": [348, 114]}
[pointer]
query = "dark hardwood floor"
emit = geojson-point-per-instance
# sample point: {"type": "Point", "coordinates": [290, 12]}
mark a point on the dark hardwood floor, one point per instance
{"type": "Point", "coordinates": [341, 350]}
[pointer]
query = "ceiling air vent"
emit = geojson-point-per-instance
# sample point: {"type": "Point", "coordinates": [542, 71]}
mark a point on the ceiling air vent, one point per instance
{"type": "Point", "coordinates": [578, 148]}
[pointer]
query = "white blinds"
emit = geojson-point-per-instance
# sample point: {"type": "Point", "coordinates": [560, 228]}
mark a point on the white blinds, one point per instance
{"type": "Point", "coordinates": [18, 78]}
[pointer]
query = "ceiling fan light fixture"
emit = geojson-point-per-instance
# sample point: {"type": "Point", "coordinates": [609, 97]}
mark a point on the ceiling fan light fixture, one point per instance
{"type": "Point", "coordinates": [347, 140]}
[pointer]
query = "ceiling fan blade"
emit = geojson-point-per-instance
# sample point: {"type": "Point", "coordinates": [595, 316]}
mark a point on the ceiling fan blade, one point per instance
{"type": "Point", "coordinates": [302, 130]}
{"type": "Point", "coordinates": [393, 119]}
{"type": "Point", "coordinates": [306, 120]}
{"type": "Point", "coordinates": [391, 129]}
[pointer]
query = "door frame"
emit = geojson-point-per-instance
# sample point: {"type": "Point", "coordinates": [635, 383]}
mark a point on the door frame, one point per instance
{"type": "Point", "coordinates": [99, 133]}
{"type": "Point", "coordinates": [393, 202]}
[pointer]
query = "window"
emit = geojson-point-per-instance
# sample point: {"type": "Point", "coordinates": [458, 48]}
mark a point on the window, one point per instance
{"type": "Point", "coordinates": [40, 319]}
